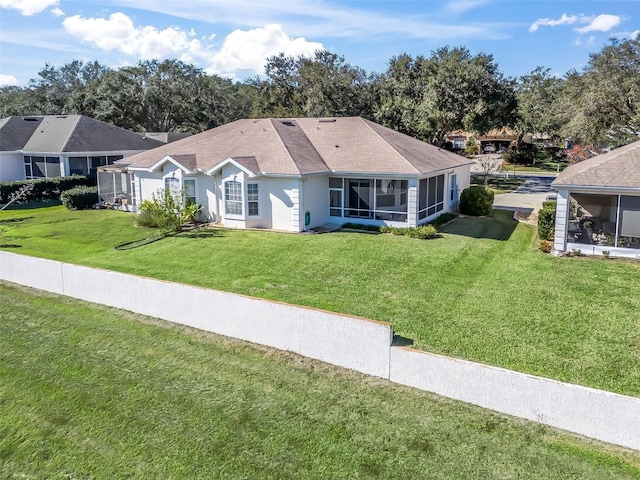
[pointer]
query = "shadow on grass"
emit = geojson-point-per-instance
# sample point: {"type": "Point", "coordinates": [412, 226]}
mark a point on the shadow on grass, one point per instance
{"type": "Point", "coordinates": [399, 341]}
{"type": "Point", "coordinates": [499, 226]}
{"type": "Point", "coordinates": [16, 220]}
{"type": "Point", "coordinates": [202, 233]}
{"type": "Point", "coordinates": [9, 245]}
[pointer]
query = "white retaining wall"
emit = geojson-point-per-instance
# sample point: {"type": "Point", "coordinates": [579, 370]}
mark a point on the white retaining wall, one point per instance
{"type": "Point", "coordinates": [359, 344]}
{"type": "Point", "coordinates": [342, 340]}
{"type": "Point", "coordinates": [594, 413]}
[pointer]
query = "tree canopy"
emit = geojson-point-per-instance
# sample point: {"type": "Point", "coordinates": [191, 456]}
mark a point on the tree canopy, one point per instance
{"type": "Point", "coordinates": [423, 96]}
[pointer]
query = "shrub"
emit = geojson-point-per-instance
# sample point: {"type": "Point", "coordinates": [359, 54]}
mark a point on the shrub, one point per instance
{"type": "Point", "coordinates": [546, 223]}
{"type": "Point", "coordinates": [423, 232]}
{"type": "Point", "coordinates": [44, 188]}
{"type": "Point", "coordinates": [524, 154]}
{"type": "Point", "coordinates": [476, 200]}
{"type": "Point", "coordinates": [79, 198]}
{"type": "Point", "coordinates": [546, 246]}
{"type": "Point", "coordinates": [549, 205]}
{"type": "Point", "coordinates": [163, 211]}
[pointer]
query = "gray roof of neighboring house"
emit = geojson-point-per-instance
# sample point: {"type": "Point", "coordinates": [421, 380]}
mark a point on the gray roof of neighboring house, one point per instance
{"type": "Point", "coordinates": [620, 168]}
{"type": "Point", "coordinates": [15, 132]}
{"type": "Point", "coordinates": [308, 145]}
{"type": "Point", "coordinates": [68, 133]}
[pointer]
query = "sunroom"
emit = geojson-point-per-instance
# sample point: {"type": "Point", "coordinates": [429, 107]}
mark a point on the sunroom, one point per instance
{"type": "Point", "coordinates": [598, 209]}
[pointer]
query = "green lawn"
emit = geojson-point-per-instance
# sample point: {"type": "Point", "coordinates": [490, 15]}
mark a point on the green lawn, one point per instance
{"type": "Point", "coordinates": [499, 184]}
{"type": "Point", "coordinates": [481, 292]}
{"type": "Point", "coordinates": [92, 392]}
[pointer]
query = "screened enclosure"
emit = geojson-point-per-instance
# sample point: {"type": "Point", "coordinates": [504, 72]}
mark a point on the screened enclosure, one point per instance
{"type": "Point", "coordinates": [604, 220]}
{"type": "Point", "coordinates": [115, 187]}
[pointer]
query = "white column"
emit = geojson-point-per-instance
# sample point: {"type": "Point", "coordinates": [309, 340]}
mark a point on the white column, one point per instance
{"type": "Point", "coordinates": [562, 220]}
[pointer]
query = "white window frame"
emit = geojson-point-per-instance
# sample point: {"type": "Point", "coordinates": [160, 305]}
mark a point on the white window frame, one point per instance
{"type": "Point", "coordinates": [235, 201]}
{"type": "Point", "coordinates": [253, 198]}
{"type": "Point", "coordinates": [194, 197]}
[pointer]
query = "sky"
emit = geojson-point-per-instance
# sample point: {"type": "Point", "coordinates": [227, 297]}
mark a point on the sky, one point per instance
{"type": "Point", "coordinates": [232, 38]}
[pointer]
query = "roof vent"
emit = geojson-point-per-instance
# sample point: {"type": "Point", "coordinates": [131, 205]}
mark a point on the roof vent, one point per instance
{"type": "Point", "coordinates": [61, 116]}
{"type": "Point", "coordinates": [327, 120]}
{"type": "Point", "coordinates": [30, 119]}
{"type": "Point", "coordinates": [288, 123]}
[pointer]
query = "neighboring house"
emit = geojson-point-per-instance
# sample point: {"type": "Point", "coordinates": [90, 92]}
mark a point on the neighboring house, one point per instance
{"type": "Point", "coordinates": [61, 145]}
{"type": "Point", "coordinates": [297, 174]}
{"type": "Point", "coordinates": [598, 206]}
{"type": "Point", "coordinates": [496, 140]}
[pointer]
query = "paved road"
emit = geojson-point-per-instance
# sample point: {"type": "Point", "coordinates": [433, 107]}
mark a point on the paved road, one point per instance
{"type": "Point", "coordinates": [528, 197]}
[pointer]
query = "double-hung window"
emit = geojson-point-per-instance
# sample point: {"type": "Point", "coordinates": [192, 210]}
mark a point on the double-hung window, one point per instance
{"type": "Point", "coordinates": [233, 198]}
{"type": "Point", "coordinates": [252, 199]}
{"type": "Point", "coordinates": [189, 185]}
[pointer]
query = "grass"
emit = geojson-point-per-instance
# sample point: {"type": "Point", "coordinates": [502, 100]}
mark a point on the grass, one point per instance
{"type": "Point", "coordinates": [92, 392]}
{"type": "Point", "coordinates": [499, 184]}
{"type": "Point", "coordinates": [543, 165]}
{"type": "Point", "coordinates": [482, 292]}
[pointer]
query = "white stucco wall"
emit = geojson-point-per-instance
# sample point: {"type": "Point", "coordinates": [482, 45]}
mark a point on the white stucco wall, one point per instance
{"type": "Point", "coordinates": [148, 183]}
{"type": "Point", "coordinates": [342, 340]}
{"type": "Point", "coordinates": [11, 167]}
{"type": "Point", "coordinates": [325, 336]}
{"type": "Point", "coordinates": [315, 200]}
{"type": "Point", "coordinates": [603, 415]}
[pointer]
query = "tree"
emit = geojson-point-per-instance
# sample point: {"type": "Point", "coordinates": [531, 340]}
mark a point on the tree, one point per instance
{"type": "Point", "coordinates": [325, 85]}
{"type": "Point", "coordinates": [537, 95]}
{"type": "Point", "coordinates": [430, 97]}
{"type": "Point", "coordinates": [602, 103]}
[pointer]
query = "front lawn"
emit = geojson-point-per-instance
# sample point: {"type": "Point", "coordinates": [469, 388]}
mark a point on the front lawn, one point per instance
{"type": "Point", "coordinates": [93, 392]}
{"type": "Point", "coordinates": [481, 292]}
{"type": "Point", "coordinates": [498, 183]}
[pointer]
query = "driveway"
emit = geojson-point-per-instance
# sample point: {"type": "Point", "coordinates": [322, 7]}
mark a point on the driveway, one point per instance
{"type": "Point", "coordinates": [528, 197]}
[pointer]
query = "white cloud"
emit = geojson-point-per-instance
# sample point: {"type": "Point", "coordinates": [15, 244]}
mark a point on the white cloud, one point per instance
{"type": "Point", "coordinates": [241, 50]}
{"type": "Point", "coordinates": [28, 7]}
{"type": "Point", "coordinates": [563, 20]}
{"type": "Point", "coordinates": [119, 33]}
{"type": "Point", "coordinates": [7, 80]}
{"type": "Point", "coordinates": [57, 11]}
{"type": "Point", "coordinates": [247, 50]}
{"type": "Point", "coordinates": [601, 23]}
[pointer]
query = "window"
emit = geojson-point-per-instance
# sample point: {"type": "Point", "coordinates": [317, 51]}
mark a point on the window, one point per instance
{"type": "Point", "coordinates": [335, 197]}
{"type": "Point", "coordinates": [189, 185]}
{"type": "Point", "coordinates": [233, 198]}
{"type": "Point", "coordinates": [430, 196]}
{"type": "Point", "coordinates": [173, 185]}
{"type": "Point", "coordinates": [252, 199]}
{"type": "Point", "coordinates": [41, 167]}
{"type": "Point", "coordinates": [78, 166]}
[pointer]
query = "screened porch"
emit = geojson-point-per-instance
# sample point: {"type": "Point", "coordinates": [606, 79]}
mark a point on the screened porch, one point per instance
{"type": "Point", "coordinates": [115, 187]}
{"type": "Point", "coordinates": [604, 220]}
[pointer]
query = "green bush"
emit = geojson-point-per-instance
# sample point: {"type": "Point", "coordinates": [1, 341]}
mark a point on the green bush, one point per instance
{"type": "Point", "coordinates": [44, 188]}
{"type": "Point", "coordinates": [546, 223]}
{"type": "Point", "coordinates": [79, 198]}
{"type": "Point", "coordinates": [163, 211]}
{"type": "Point", "coordinates": [550, 205]}
{"type": "Point", "coordinates": [476, 201]}
{"type": "Point", "coordinates": [423, 232]}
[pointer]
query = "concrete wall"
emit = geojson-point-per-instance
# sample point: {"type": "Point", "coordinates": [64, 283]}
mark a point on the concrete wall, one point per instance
{"type": "Point", "coordinates": [350, 342]}
{"type": "Point", "coordinates": [603, 415]}
{"type": "Point", "coordinates": [359, 344]}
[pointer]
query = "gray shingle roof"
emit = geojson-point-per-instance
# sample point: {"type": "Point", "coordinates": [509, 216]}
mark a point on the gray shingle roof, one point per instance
{"type": "Point", "coordinates": [309, 145]}
{"type": "Point", "coordinates": [15, 132]}
{"type": "Point", "coordinates": [620, 168]}
{"type": "Point", "coordinates": [68, 133]}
